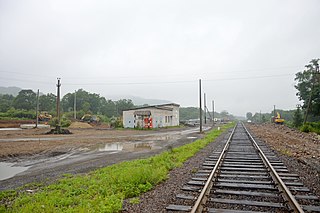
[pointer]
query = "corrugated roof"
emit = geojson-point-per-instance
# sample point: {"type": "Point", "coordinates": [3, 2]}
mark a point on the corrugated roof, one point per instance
{"type": "Point", "coordinates": [161, 106]}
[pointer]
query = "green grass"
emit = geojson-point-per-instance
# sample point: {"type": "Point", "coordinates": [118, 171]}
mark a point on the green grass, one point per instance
{"type": "Point", "coordinates": [104, 190]}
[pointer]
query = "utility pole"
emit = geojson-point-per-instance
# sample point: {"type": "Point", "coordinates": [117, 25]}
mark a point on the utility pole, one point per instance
{"type": "Point", "coordinates": [205, 109]}
{"type": "Point", "coordinates": [37, 110]}
{"type": "Point", "coordinates": [312, 88]}
{"type": "Point", "coordinates": [260, 117]}
{"type": "Point", "coordinates": [75, 104]}
{"type": "Point", "coordinates": [58, 105]}
{"type": "Point", "coordinates": [200, 102]}
{"type": "Point", "coordinates": [212, 113]}
{"type": "Point", "coordinates": [274, 112]}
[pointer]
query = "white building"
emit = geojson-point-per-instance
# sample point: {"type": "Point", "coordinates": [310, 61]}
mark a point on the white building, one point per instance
{"type": "Point", "coordinates": [152, 116]}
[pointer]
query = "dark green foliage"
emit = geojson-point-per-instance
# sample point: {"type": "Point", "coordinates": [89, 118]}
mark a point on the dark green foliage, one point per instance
{"type": "Point", "coordinates": [311, 127]}
{"type": "Point", "coordinates": [47, 102]}
{"type": "Point", "coordinates": [188, 113]}
{"type": "Point", "coordinates": [64, 122]}
{"type": "Point", "coordinates": [249, 115]}
{"type": "Point", "coordinates": [92, 103]}
{"type": "Point", "coordinates": [305, 80]}
{"type": "Point", "coordinates": [6, 102]}
{"type": "Point", "coordinates": [25, 100]}
{"type": "Point", "coordinates": [123, 104]}
{"type": "Point", "coordinates": [86, 103]}
{"type": "Point", "coordinates": [297, 118]}
{"type": "Point", "coordinates": [21, 114]}
{"type": "Point", "coordinates": [108, 108]}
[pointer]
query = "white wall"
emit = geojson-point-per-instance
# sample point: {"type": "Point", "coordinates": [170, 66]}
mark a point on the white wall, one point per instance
{"type": "Point", "coordinates": [160, 117]}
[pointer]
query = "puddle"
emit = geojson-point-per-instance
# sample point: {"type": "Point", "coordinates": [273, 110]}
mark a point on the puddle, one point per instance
{"type": "Point", "coordinates": [138, 146]}
{"type": "Point", "coordinates": [191, 137]}
{"type": "Point", "coordinates": [112, 147]}
{"type": "Point", "coordinates": [30, 139]}
{"type": "Point", "coordinates": [8, 170]}
{"type": "Point", "coordinates": [131, 146]}
{"type": "Point", "coordinates": [8, 129]}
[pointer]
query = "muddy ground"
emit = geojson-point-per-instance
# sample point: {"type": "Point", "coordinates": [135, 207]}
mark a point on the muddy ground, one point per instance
{"type": "Point", "coordinates": [49, 157]}
{"type": "Point", "coordinates": [54, 155]}
{"type": "Point", "coordinates": [28, 142]}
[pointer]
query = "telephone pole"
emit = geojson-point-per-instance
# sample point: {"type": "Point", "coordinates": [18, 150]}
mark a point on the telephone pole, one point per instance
{"type": "Point", "coordinates": [58, 105]}
{"type": "Point", "coordinates": [205, 109]}
{"type": "Point", "coordinates": [75, 104]}
{"type": "Point", "coordinates": [37, 114]}
{"type": "Point", "coordinates": [200, 102]}
{"type": "Point", "coordinates": [213, 113]}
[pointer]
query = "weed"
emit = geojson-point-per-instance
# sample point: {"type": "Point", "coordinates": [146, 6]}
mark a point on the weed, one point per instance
{"type": "Point", "coordinates": [134, 200]}
{"type": "Point", "coordinates": [286, 152]}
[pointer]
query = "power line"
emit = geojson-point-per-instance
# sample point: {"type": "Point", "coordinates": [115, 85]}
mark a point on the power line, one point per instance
{"type": "Point", "coordinates": [252, 77]}
{"type": "Point", "coordinates": [152, 76]}
{"type": "Point", "coordinates": [149, 82]}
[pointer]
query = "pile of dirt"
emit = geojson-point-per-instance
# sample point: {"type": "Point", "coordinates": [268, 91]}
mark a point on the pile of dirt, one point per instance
{"type": "Point", "coordinates": [299, 151]}
{"type": "Point", "coordinates": [77, 124]}
{"type": "Point", "coordinates": [61, 131]}
{"type": "Point", "coordinates": [14, 123]}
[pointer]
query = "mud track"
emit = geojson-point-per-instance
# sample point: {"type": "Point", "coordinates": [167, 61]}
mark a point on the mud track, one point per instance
{"type": "Point", "coordinates": [49, 157]}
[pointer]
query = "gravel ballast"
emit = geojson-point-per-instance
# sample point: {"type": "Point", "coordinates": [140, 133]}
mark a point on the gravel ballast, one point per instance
{"type": "Point", "coordinates": [297, 159]}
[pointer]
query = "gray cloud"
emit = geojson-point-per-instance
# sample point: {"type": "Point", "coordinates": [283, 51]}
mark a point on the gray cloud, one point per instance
{"type": "Point", "coordinates": [159, 49]}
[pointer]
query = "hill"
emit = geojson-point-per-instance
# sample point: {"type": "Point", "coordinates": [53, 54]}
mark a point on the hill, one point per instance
{"type": "Point", "coordinates": [10, 90]}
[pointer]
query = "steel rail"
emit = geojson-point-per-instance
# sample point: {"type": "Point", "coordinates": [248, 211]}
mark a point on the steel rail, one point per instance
{"type": "Point", "coordinates": [206, 189]}
{"type": "Point", "coordinates": [286, 194]}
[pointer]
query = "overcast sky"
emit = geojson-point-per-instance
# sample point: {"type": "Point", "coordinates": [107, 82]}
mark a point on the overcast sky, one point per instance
{"type": "Point", "coordinates": [245, 52]}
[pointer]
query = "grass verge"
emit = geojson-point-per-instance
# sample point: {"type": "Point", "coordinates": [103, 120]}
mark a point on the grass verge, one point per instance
{"type": "Point", "coordinates": [104, 190]}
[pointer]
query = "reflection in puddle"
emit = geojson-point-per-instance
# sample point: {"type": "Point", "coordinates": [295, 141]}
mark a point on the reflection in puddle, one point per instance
{"type": "Point", "coordinates": [8, 170]}
{"type": "Point", "coordinates": [191, 137]}
{"type": "Point", "coordinates": [112, 147]}
{"type": "Point", "coordinates": [10, 129]}
{"type": "Point", "coordinates": [138, 146]}
{"type": "Point", "coordinates": [127, 146]}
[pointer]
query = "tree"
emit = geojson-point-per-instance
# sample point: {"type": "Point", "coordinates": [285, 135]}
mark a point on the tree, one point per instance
{"type": "Point", "coordinates": [308, 86]}
{"type": "Point", "coordinates": [249, 116]}
{"type": "Point", "coordinates": [188, 113]}
{"type": "Point", "coordinates": [26, 99]}
{"type": "Point", "coordinates": [6, 102]}
{"type": "Point", "coordinates": [123, 104]}
{"type": "Point", "coordinates": [297, 117]}
{"type": "Point", "coordinates": [264, 119]}
{"type": "Point", "coordinates": [84, 100]}
{"type": "Point", "coordinates": [108, 108]}
{"type": "Point", "coordinates": [47, 102]}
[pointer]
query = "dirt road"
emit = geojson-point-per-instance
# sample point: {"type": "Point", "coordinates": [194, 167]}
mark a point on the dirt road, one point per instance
{"type": "Point", "coordinates": [45, 157]}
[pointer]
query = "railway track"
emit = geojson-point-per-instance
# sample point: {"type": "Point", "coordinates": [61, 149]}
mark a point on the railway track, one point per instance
{"type": "Point", "coordinates": [244, 175]}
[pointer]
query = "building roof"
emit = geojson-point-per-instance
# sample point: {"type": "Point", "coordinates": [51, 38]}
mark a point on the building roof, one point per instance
{"type": "Point", "coordinates": [161, 106]}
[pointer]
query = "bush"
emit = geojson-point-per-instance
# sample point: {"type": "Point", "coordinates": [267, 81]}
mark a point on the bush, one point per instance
{"type": "Point", "coordinates": [311, 127]}
{"type": "Point", "coordinates": [20, 114]}
{"type": "Point", "coordinates": [116, 122]}
{"type": "Point", "coordinates": [64, 122]}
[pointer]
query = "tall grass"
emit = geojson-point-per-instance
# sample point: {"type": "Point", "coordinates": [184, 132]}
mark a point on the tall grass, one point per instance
{"type": "Point", "coordinates": [104, 190]}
